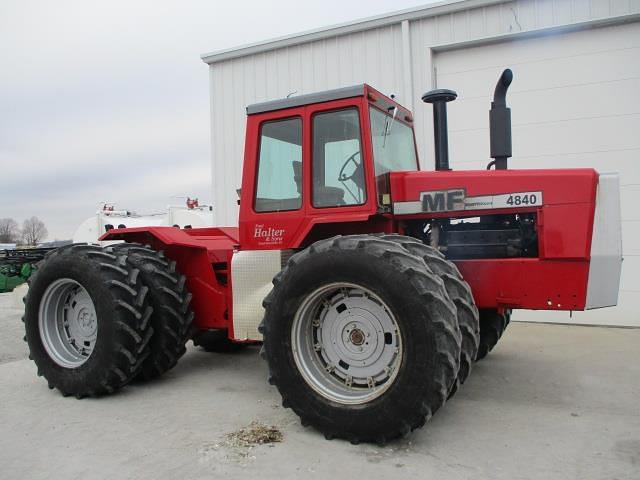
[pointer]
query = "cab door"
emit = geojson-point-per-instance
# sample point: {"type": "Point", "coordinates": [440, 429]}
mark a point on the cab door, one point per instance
{"type": "Point", "coordinates": [272, 211]}
{"type": "Point", "coordinates": [341, 181]}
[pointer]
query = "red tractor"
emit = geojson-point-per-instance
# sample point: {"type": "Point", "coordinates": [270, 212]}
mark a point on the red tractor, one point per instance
{"type": "Point", "coordinates": [373, 286]}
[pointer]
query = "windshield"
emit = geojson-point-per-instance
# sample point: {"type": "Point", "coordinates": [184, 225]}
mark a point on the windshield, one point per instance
{"type": "Point", "coordinates": [393, 146]}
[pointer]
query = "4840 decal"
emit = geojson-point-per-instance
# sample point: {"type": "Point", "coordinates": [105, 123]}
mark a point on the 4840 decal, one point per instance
{"type": "Point", "coordinates": [456, 200]}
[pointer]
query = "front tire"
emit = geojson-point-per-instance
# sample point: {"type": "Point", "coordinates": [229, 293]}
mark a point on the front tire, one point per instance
{"type": "Point", "coordinates": [326, 304]}
{"type": "Point", "coordinates": [460, 292]}
{"type": "Point", "coordinates": [87, 321]}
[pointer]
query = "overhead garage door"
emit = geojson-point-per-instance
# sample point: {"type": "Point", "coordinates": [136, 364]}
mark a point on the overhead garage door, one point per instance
{"type": "Point", "coordinates": [575, 102]}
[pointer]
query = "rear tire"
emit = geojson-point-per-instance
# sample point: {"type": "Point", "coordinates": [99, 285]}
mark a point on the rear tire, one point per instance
{"type": "Point", "coordinates": [492, 326]}
{"type": "Point", "coordinates": [168, 296]}
{"type": "Point", "coordinates": [360, 289]}
{"type": "Point", "coordinates": [87, 321]}
{"type": "Point", "coordinates": [459, 291]}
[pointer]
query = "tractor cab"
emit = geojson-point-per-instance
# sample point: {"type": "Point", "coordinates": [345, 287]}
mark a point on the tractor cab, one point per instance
{"type": "Point", "coordinates": [320, 156]}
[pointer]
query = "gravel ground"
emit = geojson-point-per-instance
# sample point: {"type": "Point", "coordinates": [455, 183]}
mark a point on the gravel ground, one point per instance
{"type": "Point", "coordinates": [551, 402]}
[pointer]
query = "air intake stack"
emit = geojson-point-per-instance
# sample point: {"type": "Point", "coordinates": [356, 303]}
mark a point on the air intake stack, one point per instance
{"type": "Point", "coordinates": [439, 99]}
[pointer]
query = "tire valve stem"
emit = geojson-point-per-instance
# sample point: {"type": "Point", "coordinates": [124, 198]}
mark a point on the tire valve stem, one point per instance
{"type": "Point", "coordinates": [370, 382]}
{"type": "Point", "coordinates": [348, 381]}
{"type": "Point", "coordinates": [330, 368]}
{"type": "Point", "coordinates": [317, 347]}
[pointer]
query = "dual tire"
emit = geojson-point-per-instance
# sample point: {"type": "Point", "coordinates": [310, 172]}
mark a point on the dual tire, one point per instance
{"type": "Point", "coordinates": [460, 294]}
{"type": "Point", "coordinates": [493, 324]}
{"type": "Point", "coordinates": [97, 318]}
{"type": "Point", "coordinates": [362, 336]}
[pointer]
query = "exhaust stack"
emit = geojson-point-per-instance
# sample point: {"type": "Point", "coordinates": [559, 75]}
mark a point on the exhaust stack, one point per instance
{"type": "Point", "coordinates": [500, 123]}
{"type": "Point", "coordinates": [439, 99]}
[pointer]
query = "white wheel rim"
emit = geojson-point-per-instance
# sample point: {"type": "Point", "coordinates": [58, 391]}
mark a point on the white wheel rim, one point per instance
{"type": "Point", "coordinates": [346, 343]}
{"type": "Point", "coordinates": [68, 323]}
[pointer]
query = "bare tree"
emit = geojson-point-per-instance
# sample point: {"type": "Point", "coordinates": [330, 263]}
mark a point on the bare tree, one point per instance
{"type": "Point", "coordinates": [33, 231]}
{"type": "Point", "coordinates": [9, 232]}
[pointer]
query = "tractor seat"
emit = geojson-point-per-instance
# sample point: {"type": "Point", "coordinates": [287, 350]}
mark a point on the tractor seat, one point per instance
{"type": "Point", "coordinates": [324, 196]}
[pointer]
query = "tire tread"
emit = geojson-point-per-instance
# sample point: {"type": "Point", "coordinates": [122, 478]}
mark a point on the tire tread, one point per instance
{"type": "Point", "coordinates": [167, 293]}
{"type": "Point", "coordinates": [459, 291]}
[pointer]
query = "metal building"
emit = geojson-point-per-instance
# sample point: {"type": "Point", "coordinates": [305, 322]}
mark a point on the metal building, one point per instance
{"type": "Point", "coordinates": [575, 98]}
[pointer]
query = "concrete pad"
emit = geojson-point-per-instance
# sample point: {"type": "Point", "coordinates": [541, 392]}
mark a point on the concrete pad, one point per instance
{"type": "Point", "coordinates": [550, 401]}
{"type": "Point", "coordinates": [17, 297]}
{"type": "Point", "coordinates": [12, 347]}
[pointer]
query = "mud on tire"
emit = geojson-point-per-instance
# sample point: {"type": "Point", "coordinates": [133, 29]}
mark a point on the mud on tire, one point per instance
{"type": "Point", "coordinates": [74, 280]}
{"type": "Point", "coordinates": [168, 296]}
{"type": "Point", "coordinates": [412, 295]}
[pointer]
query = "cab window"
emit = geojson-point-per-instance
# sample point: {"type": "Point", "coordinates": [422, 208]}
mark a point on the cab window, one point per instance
{"type": "Point", "coordinates": [279, 183]}
{"type": "Point", "coordinates": [338, 168]}
{"type": "Point", "coordinates": [393, 147]}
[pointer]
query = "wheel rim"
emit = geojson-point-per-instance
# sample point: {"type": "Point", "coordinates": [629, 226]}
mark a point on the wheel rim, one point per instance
{"type": "Point", "coordinates": [68, 323]}
{"type": "Point", "coordinates": [346, 343]}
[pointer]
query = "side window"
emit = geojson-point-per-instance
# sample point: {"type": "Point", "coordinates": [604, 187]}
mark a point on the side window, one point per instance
{"type": "Point", "coordinates": [338, 168]}
{"type": "Point", "coordinates": [279, 185]}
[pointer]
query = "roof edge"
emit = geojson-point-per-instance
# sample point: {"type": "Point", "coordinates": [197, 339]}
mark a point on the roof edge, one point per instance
{"type": "Point", "coordinates": [308, 99]}
{"type": "Point", "coordinates": [414, 13]}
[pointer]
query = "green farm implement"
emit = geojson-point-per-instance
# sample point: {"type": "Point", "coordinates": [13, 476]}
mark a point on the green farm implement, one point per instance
{"type": "Point", "coordinates": [17, 265]}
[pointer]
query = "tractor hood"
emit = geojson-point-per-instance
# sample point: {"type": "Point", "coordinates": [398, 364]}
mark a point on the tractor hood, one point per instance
{"type": "Point", "coordinates": [489, 191]}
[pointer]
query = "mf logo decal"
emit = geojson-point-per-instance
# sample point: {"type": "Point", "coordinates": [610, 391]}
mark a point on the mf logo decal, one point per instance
{"type": "Point", "coordinates": [443, 200]}
{"type": "Point", "coordinates": [456, 199]}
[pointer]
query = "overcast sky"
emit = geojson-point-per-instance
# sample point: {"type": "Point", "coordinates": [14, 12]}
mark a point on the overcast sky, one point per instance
{"type": "Point", "coordinates": [109, 101]}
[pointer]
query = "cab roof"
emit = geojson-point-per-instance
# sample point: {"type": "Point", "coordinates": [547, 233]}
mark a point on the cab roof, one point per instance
{"type": "Point", "coordinates": [300, 100]}
{"type": "Point", "coordinates": [376, 98]}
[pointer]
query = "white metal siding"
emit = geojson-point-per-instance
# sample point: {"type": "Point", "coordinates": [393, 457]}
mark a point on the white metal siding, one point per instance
{"type": "Point", "coordinates": [489, 24]}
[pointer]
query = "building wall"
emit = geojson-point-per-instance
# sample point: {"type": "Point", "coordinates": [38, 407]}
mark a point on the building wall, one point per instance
{"type": "Point", "coordinates": [465, 50]}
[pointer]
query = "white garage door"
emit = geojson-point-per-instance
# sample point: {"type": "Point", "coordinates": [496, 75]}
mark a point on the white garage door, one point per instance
{"type": "Point", "coordinates": [575, 102]}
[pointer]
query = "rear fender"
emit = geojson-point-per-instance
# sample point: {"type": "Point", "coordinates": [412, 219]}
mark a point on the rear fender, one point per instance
{"type": "Point", "coordinates": [194, 260]}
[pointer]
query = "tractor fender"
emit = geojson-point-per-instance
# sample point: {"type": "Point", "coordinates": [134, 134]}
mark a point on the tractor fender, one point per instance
{"type": "Point", "coordinates": [195, 253]}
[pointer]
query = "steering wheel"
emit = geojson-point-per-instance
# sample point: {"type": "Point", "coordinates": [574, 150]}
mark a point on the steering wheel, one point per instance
{"type": "Point", "coordinates": [343, 177]}
{"type": "Point", "coordinates": [355, 176]}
